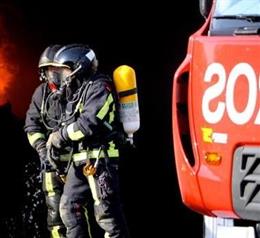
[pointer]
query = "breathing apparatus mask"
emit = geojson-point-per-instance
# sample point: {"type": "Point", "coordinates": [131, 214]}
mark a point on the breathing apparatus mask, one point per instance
{"type": "Point", "coordinates": [58, 78]}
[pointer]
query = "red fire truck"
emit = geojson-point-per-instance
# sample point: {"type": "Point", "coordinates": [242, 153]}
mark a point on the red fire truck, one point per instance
{"type": "Point", "coordinates": [216, 118]}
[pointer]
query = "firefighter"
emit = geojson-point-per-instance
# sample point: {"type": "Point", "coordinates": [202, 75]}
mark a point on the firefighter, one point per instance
{"type": "Point", "coordinates": [90, 128]}
{"type": "Point", "coordinates": [43, 116]}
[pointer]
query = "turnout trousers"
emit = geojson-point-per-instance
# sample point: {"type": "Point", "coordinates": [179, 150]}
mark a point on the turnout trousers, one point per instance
{"type": "Point", "coordinates": [103, 187]}
{"type": "Point", "coordinates": [52, 187]}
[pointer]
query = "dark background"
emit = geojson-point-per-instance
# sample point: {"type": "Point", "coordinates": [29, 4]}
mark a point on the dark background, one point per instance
{"type": "Point", "coordinates": [150, 37]}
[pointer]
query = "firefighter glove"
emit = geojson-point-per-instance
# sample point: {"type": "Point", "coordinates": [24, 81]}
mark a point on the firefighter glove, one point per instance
{"type": "Point", "coordinates": [56, 140]}
{"type": "Point", "coordinates": [45, 163]}
{"type": "Point", "coordinates": [42, 152]}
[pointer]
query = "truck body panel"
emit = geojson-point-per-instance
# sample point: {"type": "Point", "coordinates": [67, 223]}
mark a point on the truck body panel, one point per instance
{"type": "Point", "coordinates": [216, 119]}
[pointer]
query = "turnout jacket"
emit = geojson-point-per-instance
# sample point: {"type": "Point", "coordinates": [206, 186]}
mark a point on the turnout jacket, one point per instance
{"type": "Point", "coordinates": [43, 115]}
{"type": "Point", "coordinates": [88, 116]}
{"type": "Point", "coordinates": [95, 121]}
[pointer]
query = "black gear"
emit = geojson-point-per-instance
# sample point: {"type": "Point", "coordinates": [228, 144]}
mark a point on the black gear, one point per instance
{"type": "Point", "coordinates": [78, 57]}
{"type": "Point", "coordinates": [46, 59]}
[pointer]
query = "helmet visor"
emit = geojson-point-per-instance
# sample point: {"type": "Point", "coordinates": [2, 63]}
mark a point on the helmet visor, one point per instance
{"type": "Point", "coordinates": [57, 75]}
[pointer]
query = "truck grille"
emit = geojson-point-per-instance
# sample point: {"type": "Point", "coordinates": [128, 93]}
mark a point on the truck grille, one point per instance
{"type": "Point", "coordinates": [246, 182]}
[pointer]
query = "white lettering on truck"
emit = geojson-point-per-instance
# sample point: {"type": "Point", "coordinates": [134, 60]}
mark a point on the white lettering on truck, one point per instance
{"type": "Point", "coordinates": [228, 83]}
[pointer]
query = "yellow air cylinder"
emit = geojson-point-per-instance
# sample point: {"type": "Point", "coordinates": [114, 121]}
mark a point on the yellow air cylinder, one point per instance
{"type": "Point", "coordinates": [125, 83]}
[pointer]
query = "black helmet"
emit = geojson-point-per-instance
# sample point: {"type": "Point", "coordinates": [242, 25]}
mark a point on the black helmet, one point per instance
{"type": "Point", "coordinates": [46, 59]}
{"type": "Point", "coordinates": [78, 57]}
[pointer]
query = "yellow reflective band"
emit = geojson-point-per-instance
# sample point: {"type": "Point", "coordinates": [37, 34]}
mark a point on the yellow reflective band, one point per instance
{"type": "Point", "coordinates": [112, 151]}
{"type": "Point", "coordinates": [80, 156]}
{"type": "Point", "coordinates": [74, 135]}
{"type": "Point", "coordinates": [65, 157]}
{"type": "Point", "coordinates": [48, 184]}
{"type": "Point", "coordinates": [112, 114]}
{"type": "Point", "coordinates": [33, 137]}
{"type": "Point", "coordinates": [103, 111]}
{"type": "Point", "coordinates": [93, 154]}
{"type": "Point", "coordinates": [112, 147]}
{"type": "Point", "coordinates": [55, 232]}
{"type": "Point", "coordinates": [81, 107]}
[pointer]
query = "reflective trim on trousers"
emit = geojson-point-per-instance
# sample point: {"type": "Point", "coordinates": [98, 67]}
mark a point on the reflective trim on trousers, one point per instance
{"type": "Point", "coordinates": [93, 189]}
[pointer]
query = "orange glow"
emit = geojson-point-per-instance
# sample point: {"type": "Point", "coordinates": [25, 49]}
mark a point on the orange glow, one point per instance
{"type": "Point", "coordinates": [6, 64]}
{"type": "Point", "coordinates": [5, 76]}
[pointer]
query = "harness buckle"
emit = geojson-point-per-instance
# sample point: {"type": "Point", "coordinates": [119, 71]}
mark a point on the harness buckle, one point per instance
{"type": "Point", "coordinates": [90, 169]}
